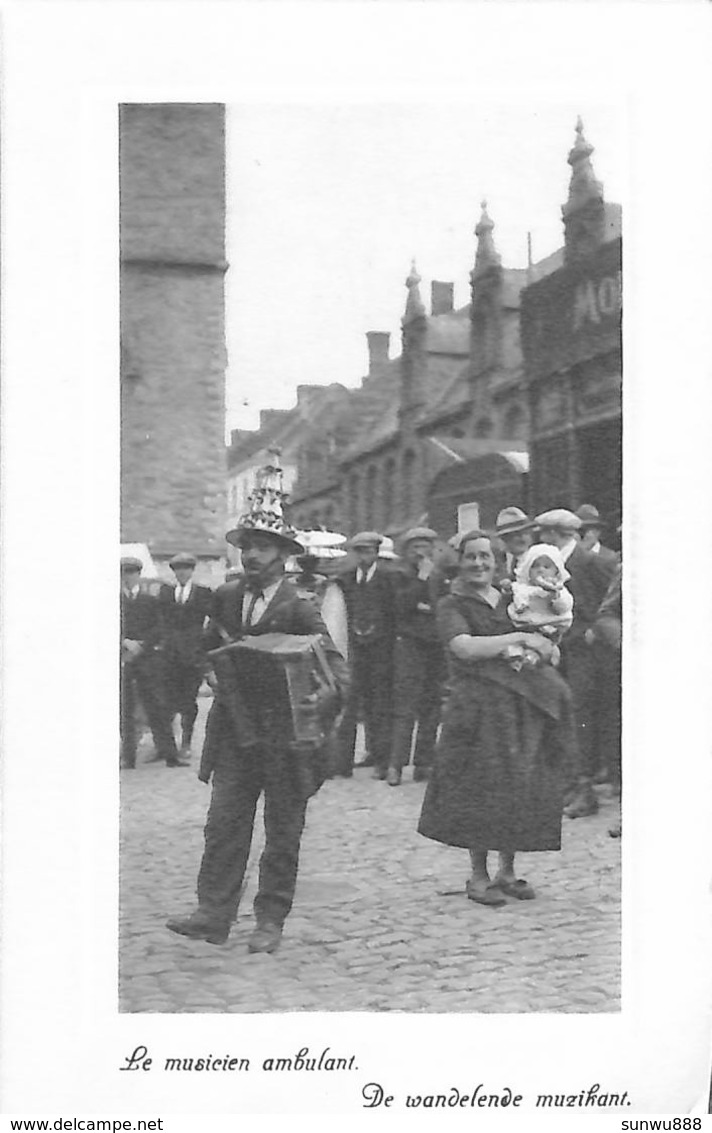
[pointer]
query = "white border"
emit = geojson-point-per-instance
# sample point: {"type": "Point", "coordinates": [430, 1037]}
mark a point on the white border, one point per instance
{"type": "Point", "coordinates": [65, 69]}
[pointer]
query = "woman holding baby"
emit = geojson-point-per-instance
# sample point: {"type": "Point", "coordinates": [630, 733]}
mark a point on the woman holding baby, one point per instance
{"type": "Point", "coordinates": [508, 733]}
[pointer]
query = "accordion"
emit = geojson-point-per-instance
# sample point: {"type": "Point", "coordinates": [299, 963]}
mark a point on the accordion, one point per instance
{"type": "Point", "coordinates": [285, 674]}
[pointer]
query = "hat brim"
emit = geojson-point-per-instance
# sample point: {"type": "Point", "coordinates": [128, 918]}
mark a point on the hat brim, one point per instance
{"type": "Point", "coordinates": [514, 529]}
{"type": "Point", "coordinates": [237, 536]}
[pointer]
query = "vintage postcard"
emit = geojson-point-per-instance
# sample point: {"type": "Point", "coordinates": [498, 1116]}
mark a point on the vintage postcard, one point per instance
{"type": "Point", "coordinates": [355, 446]}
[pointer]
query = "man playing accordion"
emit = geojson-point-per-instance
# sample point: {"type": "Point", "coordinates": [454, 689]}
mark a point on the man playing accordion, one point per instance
{"type": "Point", "coordinates": [252, 743]}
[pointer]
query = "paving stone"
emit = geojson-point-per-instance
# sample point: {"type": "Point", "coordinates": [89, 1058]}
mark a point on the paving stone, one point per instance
{"type": "Point", "coordinates": [372, 930]}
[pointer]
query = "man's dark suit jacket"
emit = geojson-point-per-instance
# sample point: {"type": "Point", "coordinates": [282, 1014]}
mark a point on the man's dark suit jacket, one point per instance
{"type": "Point", "coordinates": [141, 616]}
{"type": "Point", "coordinates": [289, 613]}
{"type": "Point", "coordinates": [370, 607]}
{"type": "Point", "coordinates": [588, 584]}
{"type": "Point", "coordinates": [183, 623]}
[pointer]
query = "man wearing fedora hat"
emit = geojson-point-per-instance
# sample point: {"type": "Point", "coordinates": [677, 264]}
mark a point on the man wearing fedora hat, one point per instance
{"type": "Point", "coordinates": [419, 662]}
{"type": "Point", "coordinates": [261, 759]}
{"type": "Point", "coordinates": [184, 610]}
{"type": "Point", "coordinates": [591, 530]}
{"type": "Point", "coordinates": [515, 530]}
{"type": "Point", "coordinates": [368, 593]}
{"type": "Point", "coordinates": [142, 670]}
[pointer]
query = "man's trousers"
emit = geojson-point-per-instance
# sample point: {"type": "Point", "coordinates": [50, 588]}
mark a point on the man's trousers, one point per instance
{"type": "Point", "coordinates": [142, 682]}
{"type": "Point", "coordinates": [239, 777]}
{"type": "Point", "coordinates": [183, 680]}
{"type": "Point", "coordinates": [370, 696]}
{"type": "Point", "coordinates": [417, 693]}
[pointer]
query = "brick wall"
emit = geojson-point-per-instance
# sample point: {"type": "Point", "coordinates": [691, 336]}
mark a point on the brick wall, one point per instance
{"type": "Point", "coordinates": [172, 326]}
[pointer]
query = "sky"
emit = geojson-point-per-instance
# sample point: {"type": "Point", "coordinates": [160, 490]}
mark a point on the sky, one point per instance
{"type": "Point", "coordinates": [328, 204]}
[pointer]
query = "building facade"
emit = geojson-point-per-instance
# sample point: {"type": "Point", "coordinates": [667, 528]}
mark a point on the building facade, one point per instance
{"type": "Point", "coordinates": [513, 399]}
{"type": "Point", "coordinates": [571, 335]}
{"type": "Point", "coordinates": [173, 357]}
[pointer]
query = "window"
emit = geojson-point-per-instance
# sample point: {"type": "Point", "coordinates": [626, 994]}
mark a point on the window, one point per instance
{"type": "Point", "coordinates": [468, 517]}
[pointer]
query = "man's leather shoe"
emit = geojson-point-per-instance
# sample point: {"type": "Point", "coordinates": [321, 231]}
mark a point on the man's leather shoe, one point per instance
{"type": "Point", "coordinates": [199, 927]}
{"type": "Point", "coordinates": [177, 763]}
{"type": "Point", "coordinates": [420, 774]}
{"type": "Point", "coordinates": [584, 804]}
{"type": "Point", "coordinates": [265, 938]}
{"type": "Point", "coordinates": [393, 777]}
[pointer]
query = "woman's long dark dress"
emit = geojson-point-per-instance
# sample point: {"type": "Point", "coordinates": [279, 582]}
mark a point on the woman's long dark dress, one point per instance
{"type": "Point", "coordinates": [506, 744]}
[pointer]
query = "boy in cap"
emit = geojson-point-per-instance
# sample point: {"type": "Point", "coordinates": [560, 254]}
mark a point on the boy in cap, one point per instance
{"type": "Point", "coordinates": [368, 592]}
{"type": "Point", "coordinates": [260, 758]}
{"type": "Point", "coordinates": [185, 609]}
{"type": "Point", "coordinates": [142, 666]}
{"type": "Point", "coordinates": [419, 663]}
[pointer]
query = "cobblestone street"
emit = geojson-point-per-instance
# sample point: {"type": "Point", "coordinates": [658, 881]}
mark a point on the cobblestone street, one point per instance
{"type": "Point", "coordinates": [380, 922]}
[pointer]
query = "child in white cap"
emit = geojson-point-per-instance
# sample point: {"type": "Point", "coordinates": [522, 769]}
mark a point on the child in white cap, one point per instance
{"type": "Point", "coordinates": [540, 601]}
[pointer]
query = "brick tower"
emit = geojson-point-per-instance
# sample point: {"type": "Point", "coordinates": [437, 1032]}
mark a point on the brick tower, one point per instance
{"type": "Point", "coordinates": [172, 179]}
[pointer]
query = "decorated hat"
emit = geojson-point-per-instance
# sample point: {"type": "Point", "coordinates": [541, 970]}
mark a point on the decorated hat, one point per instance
{"type": "Point", "coordinates": [366, 539]}
{"type": "Point", "coordinates": [511, 520]}
{"type": "Point", "coordinates": [266, 515]}
{"type": "Point", "coordinates": [559, 517]}
{"type": "Point", "coordinates": [589, 516]}
{"type": "Point", "coordinates": [183, 560]}
{"type": "Point", "coordinates": [129, 563]}
{"type": "Point", "coordinates": [419, 533]}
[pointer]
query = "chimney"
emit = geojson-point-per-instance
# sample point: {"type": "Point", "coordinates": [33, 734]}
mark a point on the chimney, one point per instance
{"type": "Point", "coordinates": [442, 297]}
{"type": "Point", "coordinates": [378, 346]}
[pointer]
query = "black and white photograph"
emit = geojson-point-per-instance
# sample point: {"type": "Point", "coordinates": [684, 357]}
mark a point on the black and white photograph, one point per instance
{"type": "Point", "coordinates": [384, 625]}
{"type": "Point", "coordinates": [355, 427]}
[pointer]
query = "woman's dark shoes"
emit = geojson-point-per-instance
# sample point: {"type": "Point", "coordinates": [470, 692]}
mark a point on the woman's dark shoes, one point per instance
{"type": "Point", "coordinates": [393, 777]}
{"type": "Point", "coordinates": [265, 938]}
{"type": "Point", "coordinates": [515, 887]}
{"type": "Point", "coordinates": [614, 831]}
{"type": "Point", "coordinates": [198, 926]}
{"type": "Point", "coordinates": [583, 804]}
{"type": "Point", "coordinates": [484, 895]}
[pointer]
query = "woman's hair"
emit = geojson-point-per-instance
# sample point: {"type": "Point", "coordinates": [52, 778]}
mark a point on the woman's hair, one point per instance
{"type": "Point", "coordinates": [468, 537]}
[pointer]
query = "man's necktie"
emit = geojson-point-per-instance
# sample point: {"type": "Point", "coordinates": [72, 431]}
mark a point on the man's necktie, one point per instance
{"type": "Point", "coordinates": [251, 607]}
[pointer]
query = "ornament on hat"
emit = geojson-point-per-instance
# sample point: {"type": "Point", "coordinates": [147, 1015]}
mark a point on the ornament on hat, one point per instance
{"type": "Point", "coordinates": [267, 505]}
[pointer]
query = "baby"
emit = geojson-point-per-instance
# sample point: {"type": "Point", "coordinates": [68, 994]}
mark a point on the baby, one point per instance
{"type": "Point", "coordinates": [540, 601]}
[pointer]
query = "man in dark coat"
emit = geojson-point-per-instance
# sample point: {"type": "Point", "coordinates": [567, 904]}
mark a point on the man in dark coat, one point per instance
{"type": "Point", "coordinates": [369, 595]}
{"type": "Point", "coordinates": [259, 755]}
{"type": "Point", "coordinates": [184, 611]}
{"type": "Point", "coordinates": [142, 670]}
{"type": "Point", "coordinates": [588, 584]}
{"type": "Point", "coordinates": [419, 662]}
{"type": "Point", "coordinates": [591, 531]}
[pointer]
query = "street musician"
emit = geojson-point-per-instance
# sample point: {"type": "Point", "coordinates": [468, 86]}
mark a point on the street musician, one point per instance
{"type": "Point", "coordinates": [250, 745]}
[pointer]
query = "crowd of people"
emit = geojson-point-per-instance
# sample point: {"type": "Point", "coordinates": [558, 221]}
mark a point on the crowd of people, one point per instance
{"type": "Point", "coordinates": [490, 661]}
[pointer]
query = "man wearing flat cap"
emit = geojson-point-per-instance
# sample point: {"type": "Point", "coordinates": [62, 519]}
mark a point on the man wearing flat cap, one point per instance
{"type": "Point", "coordinates": [419, 662]}
{"type": "Point", "coordinates": [142, 665]}
{"type": "Point", "coordinates": [249, 748]}
{"type": "Point", "coordinates": [368, 593]}
{"type": "Point", "coordinates": [184, 611]}
{"type": "Point", "coordinates": [588, 584]}
{"type": "Point", "coordinates": [515, 530]}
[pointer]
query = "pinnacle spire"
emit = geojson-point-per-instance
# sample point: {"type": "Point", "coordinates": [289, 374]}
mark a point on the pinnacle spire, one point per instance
{"type": "Point", "coordinates": [583, 186]}
{"type": "Point", "coordinates": [486, 255]}
{"type": "Point", "coordinates": [414, 306]}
